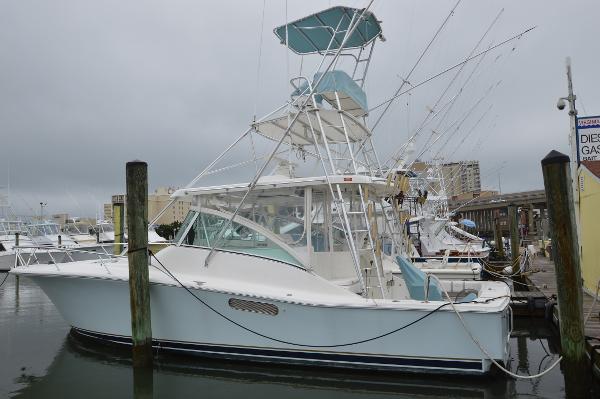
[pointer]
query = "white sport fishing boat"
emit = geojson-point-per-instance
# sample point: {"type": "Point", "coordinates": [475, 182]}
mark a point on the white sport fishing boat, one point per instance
{"type": "Point", "coordinates": [290, 269]}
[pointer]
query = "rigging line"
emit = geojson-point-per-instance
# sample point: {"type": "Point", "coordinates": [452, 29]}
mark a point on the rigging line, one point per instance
{"type": "Point", "coordinates": [466, 82]}
{"type": "Point", "coordinates": [260, 44]}
{"type": "Point", "coordinates": [455, 77]}
{"type": "Point", "coordinates": [396, 94]}
{"type": "Point", "coordinates": [443, 72]}
{"type": "Point", "coordinates": [449, 128]}
{"type": "Point", "coordinates": [457, 127]}
{"type": "Point", "coordinates": [403, 146]}
{"type": "Point", "coordinates": [351, 28]}
{"type": "Point", "coordinates": [466, 136]}
{"type": "Point", "coordinates": [433, 131]}
{"type": "Point", "coordinates": [470, 131]}
{"type": "Point", "coordinates": [212, 309]}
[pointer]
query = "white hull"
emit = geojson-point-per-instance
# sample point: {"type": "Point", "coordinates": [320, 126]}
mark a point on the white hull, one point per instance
{"type": "Point", "coordinates": [98, 305]}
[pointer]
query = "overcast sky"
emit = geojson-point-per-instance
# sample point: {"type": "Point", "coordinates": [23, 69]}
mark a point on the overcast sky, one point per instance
{"type": "Point", "coordinates": [87, 85]}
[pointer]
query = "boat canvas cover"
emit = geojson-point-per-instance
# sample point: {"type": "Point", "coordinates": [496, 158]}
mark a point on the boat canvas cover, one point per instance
{"type": "Point", "coordinates": [352, 98]}
{"type": "Point", "coordinates": [313, 34]}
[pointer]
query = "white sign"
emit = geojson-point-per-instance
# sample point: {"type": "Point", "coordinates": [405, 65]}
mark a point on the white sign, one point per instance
{"type": "Point", "coordinates": [588, 138]}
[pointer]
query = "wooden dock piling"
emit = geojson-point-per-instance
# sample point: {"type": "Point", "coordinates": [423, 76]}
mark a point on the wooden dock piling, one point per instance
{"type": "Point", "coordinates": [17, 262]}
{"type": "Point", "coordinates": [119, 226]}
{"type": "Point", "coordinates": [137, 253]}
{"type": "Point", "coordinates": [513, 226]}
{"type": "Point", "coordinates": [557, 183]}
{"type": "Point", "coordinates": [498, 235]}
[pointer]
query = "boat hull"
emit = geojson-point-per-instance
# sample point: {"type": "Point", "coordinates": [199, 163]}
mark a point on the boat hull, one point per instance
{"type": "Point", "coordinates": [298, 333]}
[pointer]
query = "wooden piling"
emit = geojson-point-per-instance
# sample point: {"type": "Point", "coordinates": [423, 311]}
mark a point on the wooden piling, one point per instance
{"type": "Point", "coordinates": [513, 228]}
{"type": "Point", "coordinates": [137, 253]}
{"type": "Point", "coordinates": [119, 226]}
{"type": "Point", "coordinates": [559, 197]}
{"type": "Point", "coordinates": [17, 261]}
{"type": "Point", "coordinates": [498, 235]}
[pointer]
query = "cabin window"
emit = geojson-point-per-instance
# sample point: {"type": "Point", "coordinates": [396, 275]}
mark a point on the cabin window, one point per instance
{"type": "Point", "coordinates": [205, 229]}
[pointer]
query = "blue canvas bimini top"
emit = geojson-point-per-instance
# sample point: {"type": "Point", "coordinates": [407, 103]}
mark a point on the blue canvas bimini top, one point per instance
{"type": "Point", "coordinates": [313, 34]}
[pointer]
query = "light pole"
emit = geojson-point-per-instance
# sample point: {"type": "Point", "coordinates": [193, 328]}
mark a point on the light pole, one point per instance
{"type": "Point", "coordinates": [572, 141]}
{"type": "Point", "coordinates": [42, 205]}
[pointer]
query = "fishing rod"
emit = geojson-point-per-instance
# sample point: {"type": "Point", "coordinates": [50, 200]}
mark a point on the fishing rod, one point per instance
{"type": "Point", "coordinates": [451, 68]}
{"type": "Point", "coordinates": [454, 78]}
{"type": "Point", "coordinates": [405, 80]}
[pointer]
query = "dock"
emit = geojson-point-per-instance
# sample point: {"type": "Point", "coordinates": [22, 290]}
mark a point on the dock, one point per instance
{"type": "Point", "coordinates": [542, 288]}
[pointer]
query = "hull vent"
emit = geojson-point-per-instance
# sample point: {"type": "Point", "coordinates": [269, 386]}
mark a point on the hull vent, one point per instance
{"type": "Point", "coordinates": [254, 307]}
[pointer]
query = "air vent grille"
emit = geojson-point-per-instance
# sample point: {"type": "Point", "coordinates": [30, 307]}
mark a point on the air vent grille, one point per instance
{"type": "Point", "coordinates": [254, 307]}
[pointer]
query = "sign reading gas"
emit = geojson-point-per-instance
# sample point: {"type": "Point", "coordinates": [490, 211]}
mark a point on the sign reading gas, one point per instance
{"type": "Point", "coordinates": [588, 138]}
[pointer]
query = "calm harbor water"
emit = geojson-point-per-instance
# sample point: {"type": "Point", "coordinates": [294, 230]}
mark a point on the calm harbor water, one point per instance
{"type": "Point", "coordinates": [41, 359]}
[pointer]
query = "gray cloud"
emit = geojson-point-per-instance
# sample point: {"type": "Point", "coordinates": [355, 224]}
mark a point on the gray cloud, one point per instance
{"type": "Point", "coordinates": [86, 86]}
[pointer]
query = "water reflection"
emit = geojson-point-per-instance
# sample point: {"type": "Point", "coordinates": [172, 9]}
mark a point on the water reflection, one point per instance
{"type": "Point", "coordinates": [58, 364]}
{"type": "Point", "coordinates": [85, 369]}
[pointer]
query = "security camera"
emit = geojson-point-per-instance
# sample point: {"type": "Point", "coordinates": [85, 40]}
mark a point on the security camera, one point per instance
{"type": "Point", "coordinates": [561, 104]}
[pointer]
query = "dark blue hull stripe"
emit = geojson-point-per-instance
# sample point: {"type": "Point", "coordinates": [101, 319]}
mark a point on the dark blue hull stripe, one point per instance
{"type": "Point", "coordinates": [329, 359]}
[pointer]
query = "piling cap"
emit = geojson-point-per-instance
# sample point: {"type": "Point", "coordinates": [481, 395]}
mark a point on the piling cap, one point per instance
{"type": "Point", "coordinates": [555, 157]}
{"type": "Point", "coordinates": [136, 162]}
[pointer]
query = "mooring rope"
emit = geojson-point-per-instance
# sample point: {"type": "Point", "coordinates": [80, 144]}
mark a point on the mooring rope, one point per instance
{"type": "Point", "coordinates": [484, 350]}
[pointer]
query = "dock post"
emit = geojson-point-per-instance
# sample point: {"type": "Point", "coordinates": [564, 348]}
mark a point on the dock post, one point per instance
{"type": "Point", "coordinates": [498, 235]}
{"type": "Point", "coordinates": [513, 227]}
{"type": "Point", "coordinates": [119, 225]}
{"type": "Point", "coordinates": [59, 240]}
{"type": "Point", "coordinates": [559, 197]}
{"type": "Point", "coordinates": [137, 253]}
{"type": "Point", "coordinates": [18, 252]}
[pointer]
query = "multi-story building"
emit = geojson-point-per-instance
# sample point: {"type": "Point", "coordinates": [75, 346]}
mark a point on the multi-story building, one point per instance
{"type": "Point", "coordinates": [160, 199]}
{"type": "Point", "coordinates": [461, 177]}
{"type": "Point", "coordinates": [156, 202]}
{"type": "Point", "coordinates": [458, 177]}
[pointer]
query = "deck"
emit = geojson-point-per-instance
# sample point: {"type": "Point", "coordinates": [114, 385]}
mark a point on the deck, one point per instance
{"type": "Point", "coordinates": [543, 280]}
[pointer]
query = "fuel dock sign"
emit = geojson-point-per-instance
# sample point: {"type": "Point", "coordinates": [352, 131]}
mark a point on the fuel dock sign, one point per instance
{"type": "Point", "coordinates": [588, 138]}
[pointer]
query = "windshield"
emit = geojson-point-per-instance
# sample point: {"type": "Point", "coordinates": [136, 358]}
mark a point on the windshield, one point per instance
{"type": "Point", "coordinates": [44, 229]}
{"type": "Point", "coordinates": [204, 229]}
